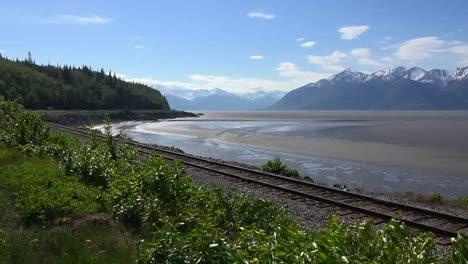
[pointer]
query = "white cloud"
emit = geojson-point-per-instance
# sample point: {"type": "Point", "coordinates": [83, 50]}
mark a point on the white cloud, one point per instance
{"type": "Point", "coordinates": [295, 78]}
{"type": "Point", "coordinates": [461, 50]}
{"type": "Point", "coordinates": [256, 57]}
{"type": "Point", "coordinates": [419, 48]}
{"type": "Point", "coordinates": [360, 52]}
{"type": "Point", "coordinates": [79, 20]}
{"type": "Point", "coordinates": [387, 59]}
{"type": "Point", "coordinates": [138, 47]}
{"type": "Point", "coordinates": [352, 32]}
{"type": "Point", "coordinates": [308, 44]}
{"type": "Point", "coordinates": [364, 57]}
{"type": "Point", "coordinates": [289, 69]}
{"type": "Point", "coordinates": [262, 15]}
{"type": "Point", "coordinates": [330, 62]}
{"type": "Point", "coordinates": [300, 39]}
{"type": "Point", "coordinates": [369, 61]}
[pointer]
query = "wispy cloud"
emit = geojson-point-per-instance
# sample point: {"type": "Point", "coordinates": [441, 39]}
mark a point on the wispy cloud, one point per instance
{"type": "Point", "coordinates": [300, 39]}
{"type": "Point", "coordinates": [419, 48]}
{"type": "Point", "coordinates": [289, 69]}
{"type": "Point", "coordinates": [363, 57]}
{"type": "Point", "coordinates": [262, 15]}
{"type": "Point", "coordinates": [352, 32]}
{"type": "Point", "coordinates": [78, 20]}
{"type": "Point", "coordinates": [294, 78]}
{"type": "Point", "coordinates": [256, 57]}
{"type": "Point", "coordinates": [138, 47]}
{"type": "Point", "coordinates": [330, 62]}
{"type": "Point", "coordinates": [308, 44]}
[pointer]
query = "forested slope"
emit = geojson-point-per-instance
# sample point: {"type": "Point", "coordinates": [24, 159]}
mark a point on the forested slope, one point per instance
{"type": "Point", "coordinates": [70, 88]}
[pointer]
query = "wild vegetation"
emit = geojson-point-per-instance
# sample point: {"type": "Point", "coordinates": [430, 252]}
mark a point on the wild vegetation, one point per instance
{"type": "Point", "coordinates": [70, 88]}
{"type": "Point", "coordinates": [276, 166]}
{"type": "Point", "coordinates": [170, 219]}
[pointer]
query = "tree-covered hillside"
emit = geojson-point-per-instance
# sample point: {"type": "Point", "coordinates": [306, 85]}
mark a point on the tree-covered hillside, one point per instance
{"type": "Point", "coordinates": [71, 88]}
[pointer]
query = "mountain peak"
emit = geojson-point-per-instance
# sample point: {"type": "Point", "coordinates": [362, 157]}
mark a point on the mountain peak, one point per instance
{"type": "Point", "coordinates": [348, 75]}
{"type": "Point", "coordinates": [414, 73]}
{"type": "Point", "coordinates": [461, 73]}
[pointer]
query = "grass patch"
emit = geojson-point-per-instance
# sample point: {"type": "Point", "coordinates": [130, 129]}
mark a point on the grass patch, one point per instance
{"type": "Point", "coordinates": [437, 199]}
{"type": "Point", "coordinates": [38, 202]}
{"type": "Point", "coordinates": [42, 192]}
{"type": "Point", "coordinates": [91, 244]}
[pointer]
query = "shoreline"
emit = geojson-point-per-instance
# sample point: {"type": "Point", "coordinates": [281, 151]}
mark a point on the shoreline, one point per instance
{"type": "Point", "coordinates": [96, 117]}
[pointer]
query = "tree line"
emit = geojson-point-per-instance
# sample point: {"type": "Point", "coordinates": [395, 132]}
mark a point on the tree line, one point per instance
{"type": "Point", "coordinates": [72, 88]}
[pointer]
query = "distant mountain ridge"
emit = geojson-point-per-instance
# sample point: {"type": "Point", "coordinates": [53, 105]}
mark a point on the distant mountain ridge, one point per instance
{"type": "Point", "coordinates": [396, 88]}
{"type": "Point", "coordinates": [218, 99]}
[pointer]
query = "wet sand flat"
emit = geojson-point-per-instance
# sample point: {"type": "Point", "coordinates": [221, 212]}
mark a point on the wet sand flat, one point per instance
{"type": "Point", "coordinates": [435, 141]}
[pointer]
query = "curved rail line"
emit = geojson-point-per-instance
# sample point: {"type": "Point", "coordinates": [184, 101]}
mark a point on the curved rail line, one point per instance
{"type": "Point", "coordinates": [349, 203]}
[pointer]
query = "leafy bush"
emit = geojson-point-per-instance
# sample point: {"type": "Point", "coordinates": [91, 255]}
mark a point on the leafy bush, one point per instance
{"type": "Point", "coordinates": [43, 193]}
{"type": "Point", "coordinates": [459, 253]}
{"type": "Point", "coordinates": [437, 198]}
{"type": "Point", "coordinates": [19, 127]}
{"type": "Point", "coordinates": [276, 166]}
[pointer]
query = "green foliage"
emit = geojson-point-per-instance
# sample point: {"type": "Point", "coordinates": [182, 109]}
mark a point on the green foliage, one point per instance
{"type": "Point", "coordinates": [437, 198]}
{"type": "Point", "coordinates": [276, 166]}
{"type": "Point", "coordinates": [41, 190]}
{"type": "Point", "coordinates": [362, 243]}
{"type": "Point", "coordinates": [19, 127]}
{"type": "Point", "coordinates": [43, 86]}
{"type": "Point", "coordinates": [459, 253]}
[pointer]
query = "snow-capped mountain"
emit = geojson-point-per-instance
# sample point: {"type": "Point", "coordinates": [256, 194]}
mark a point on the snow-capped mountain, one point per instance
{"type": "Point", "coordinates": [391, 88]}
{"type": "Point", "coordinates": [388, 74]}
{"type": "Point", "coordinates": [396, 73]}
{"type": "Point", "coordinates": [218, 99]}
{"type": "Point", "coordinates": [435, 76]}
{"type": "Point", "coordinates": [414, 73]}
{"type": "Point", "coordinates": [459, 74]}
{"type": "Point", "coordinates": [348, 76]}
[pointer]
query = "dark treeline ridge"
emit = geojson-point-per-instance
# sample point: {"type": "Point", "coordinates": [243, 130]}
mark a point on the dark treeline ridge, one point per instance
{"type": "Point", "coordinates": [71, 88]}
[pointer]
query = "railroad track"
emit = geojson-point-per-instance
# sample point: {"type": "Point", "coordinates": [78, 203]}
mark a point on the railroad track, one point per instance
{"type": "Point", "coordinates": [347, 203]}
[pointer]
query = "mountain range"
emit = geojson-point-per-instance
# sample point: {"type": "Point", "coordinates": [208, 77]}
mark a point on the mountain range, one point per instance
{"type": "Point", "coordinates": [388, 89]}
{"type": "Point", "coordinates": [218, 99]}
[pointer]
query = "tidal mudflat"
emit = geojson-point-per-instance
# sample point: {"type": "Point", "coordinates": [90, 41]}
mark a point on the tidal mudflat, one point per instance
{"type": "Point", "coordinates": [422, 152]}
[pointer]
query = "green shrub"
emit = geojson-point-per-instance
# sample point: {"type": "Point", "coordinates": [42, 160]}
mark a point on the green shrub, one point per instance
{"type": "Point", "coordinates": [290, 172]}
{"type": "Point", "coordinates": [276, 166]}
{"type": "Point", "coordinates": [42, 191]}
{"type": "Point", "coordinates": [459, 251]}
{"type": "Point", "coordinates": [437, 198]}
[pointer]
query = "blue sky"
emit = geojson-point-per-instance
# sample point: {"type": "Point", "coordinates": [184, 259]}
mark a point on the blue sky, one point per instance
{"type": "Point", "coordinates": [239, 46]}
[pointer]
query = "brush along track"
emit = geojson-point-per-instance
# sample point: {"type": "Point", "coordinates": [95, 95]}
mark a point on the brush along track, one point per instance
{"type": "Point", "coordinates": [346, 203]}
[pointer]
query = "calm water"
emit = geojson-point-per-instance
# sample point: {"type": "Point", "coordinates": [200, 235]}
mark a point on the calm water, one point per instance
{"type": "Point", "coordinates": [224, 136]}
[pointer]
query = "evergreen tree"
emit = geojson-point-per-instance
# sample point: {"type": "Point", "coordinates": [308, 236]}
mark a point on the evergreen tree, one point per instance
{"type": "Point", "coordinates": [29, 59]}
{"type": "Point", "coordinates": [69, 87]}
